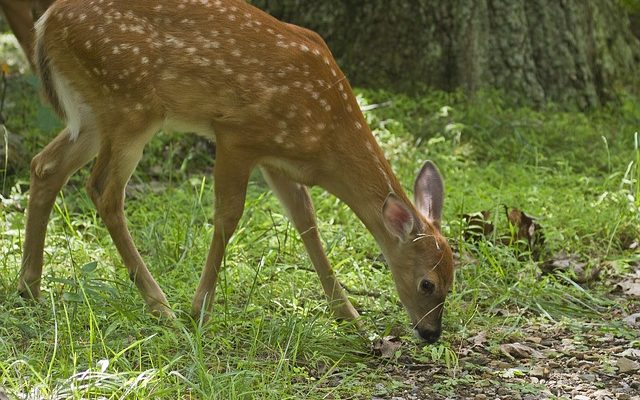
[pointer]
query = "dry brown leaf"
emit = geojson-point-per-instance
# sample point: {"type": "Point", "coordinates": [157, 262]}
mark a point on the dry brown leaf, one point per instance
{"type": "Point", "coordinates": [479, 340]}
{"type": "Point", "coordinates": [527, 227]}
{"type": "Point", "coordinates": [539, 372]}
{"type": "Point", "coordinates": [526, 230]}
{"type": "Point", "coordinates": [519, 350]}
{"type": "Point", "coordinates": [633, 319]}
{"type": "Point", "coordinates": [633, 354]}
{"type": "Point", "coordinates": [478, 225]}
{"type": "Point", "coordinates": [564, 262]}
{"type": "Point", "coordinates": [534, 339]}
{"type": "Point", "coordinates": [387, 346]}
{"type": "Point", "coordinates": [630, 287]}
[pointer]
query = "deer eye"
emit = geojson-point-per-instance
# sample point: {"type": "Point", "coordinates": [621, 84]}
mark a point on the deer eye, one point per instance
{"type": "Point", "coordinates": [427, 287]}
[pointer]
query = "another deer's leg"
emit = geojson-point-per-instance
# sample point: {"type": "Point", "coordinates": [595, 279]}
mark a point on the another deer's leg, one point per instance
{"type": "Point", "coordinates": [231, 174]}
{"type": "Point", "coordinates": [119, 154]}
{"type": "Point", "coordinates": [18, 15]}
{"type": "Point", "coordinates": [299, 207]}
{"type": "Point", "coordinates": [50, 170]}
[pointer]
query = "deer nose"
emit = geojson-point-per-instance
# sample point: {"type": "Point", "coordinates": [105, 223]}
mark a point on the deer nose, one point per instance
{"type": "Point", "coordinates": [428, 335]}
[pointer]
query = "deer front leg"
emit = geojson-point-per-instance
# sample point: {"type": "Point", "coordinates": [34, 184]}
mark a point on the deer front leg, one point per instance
{"type": "Point", "coordinates": [231, 176]}
{"type": "Point", "coordinates": [116, 161]}
{"type": "Point", "coordinates": [50, 170]}
{"type": "Point", "coordinates": [297, 203]}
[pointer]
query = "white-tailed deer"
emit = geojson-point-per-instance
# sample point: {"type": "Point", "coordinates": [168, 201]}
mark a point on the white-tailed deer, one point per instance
{"type": "Point", "coordinates": [269, 93]}
{"type": "Point", "coordinates": [20, 15]}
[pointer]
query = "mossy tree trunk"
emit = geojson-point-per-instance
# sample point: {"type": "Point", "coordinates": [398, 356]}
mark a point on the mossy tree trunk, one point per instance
{"type": "Point", "coordinates": [573, 52]}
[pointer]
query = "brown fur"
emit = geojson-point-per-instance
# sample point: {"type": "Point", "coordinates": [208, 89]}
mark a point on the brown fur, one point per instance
{"type": "Point", "coordinates": [44, 72]}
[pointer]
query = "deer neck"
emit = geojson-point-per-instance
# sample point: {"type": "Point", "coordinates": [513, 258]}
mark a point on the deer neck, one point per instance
{"type": "Point", "coordinates": [363, 179]}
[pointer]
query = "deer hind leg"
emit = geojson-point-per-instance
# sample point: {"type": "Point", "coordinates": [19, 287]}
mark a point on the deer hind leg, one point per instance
{"type": "Point", "coordinates": [231, 176]}
{"type": "Point", "coordinates": [50, 170]}
{"type": "Point", "coordinates": [299, 207]}
{"type": "Point", "coordinates": [120, 151]}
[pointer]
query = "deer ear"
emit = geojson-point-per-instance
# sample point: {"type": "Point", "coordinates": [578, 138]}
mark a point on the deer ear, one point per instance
{"type": "Point", "coordinates": [428, 193]}
{"type": "Point", "coordinates": [397, 217]}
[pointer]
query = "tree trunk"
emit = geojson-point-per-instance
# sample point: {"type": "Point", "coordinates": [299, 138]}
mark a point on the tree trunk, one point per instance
{"type": "Point", "coordinates": [574, 52]}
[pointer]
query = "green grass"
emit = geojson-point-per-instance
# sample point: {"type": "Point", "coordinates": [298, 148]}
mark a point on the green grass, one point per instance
{"type": "Point", "coordinates": [271, 335]}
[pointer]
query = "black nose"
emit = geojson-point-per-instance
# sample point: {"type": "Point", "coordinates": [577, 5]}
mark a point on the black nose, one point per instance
{"type": "Point", "coordinates": [429, 336]}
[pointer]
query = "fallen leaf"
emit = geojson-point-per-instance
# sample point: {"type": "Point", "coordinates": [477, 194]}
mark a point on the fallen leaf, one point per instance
{"type": "Point", "coordinates": [570, 263]}
{"type": "Point", "coordinates": [633, 354]}
{"type": "Point", "coordinates": [534, 339]}
{"type": "Point", "coordinates": [603, 394]}
{"type": "Point", "coordinates": [539, 372]}
{"type": "Point", "coordinates": [526, 229]}
{"type": "Point", "coordinates": [387, 346]}
{"type": "Point", "coordinates": [478, 225]}
{"type": "Point", "coordinates": [633, 319]}
{"type": "Point", "coordinates": [630, 285]}
{"type": "Point", "coordinates": [630, 288]}
{"type": "Point", "coordinates": [518, 350]}
{"type": "Point", "coordinates": [478, 340]}
{"type": "Point", "coordinates": [625, 365]}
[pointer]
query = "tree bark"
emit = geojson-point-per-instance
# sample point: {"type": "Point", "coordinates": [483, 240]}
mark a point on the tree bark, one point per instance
{"type": "Point", "coordinates": [573, 52]}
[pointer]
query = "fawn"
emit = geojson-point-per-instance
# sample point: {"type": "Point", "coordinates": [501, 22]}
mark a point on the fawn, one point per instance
{"type": "Point", "coordinates": [271, 96]}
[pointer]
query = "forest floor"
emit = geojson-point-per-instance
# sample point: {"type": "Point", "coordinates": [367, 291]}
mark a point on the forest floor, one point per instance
{"type": "Point", "coordinates": [542, 210]}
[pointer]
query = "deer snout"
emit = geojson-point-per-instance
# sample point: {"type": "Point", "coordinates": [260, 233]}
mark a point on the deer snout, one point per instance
{"type": "Point", "coordinates": [428, 334]}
